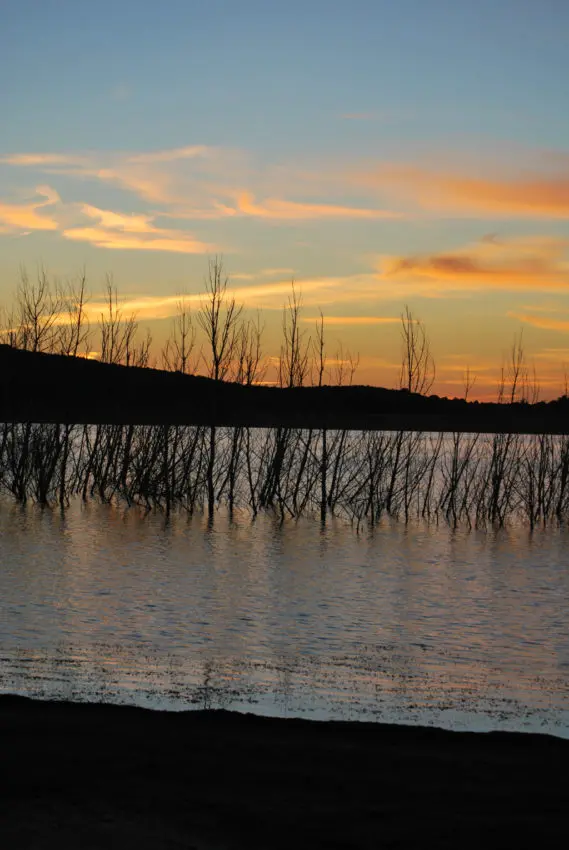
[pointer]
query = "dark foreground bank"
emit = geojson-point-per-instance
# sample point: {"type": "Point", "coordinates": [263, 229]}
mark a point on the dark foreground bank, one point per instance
{"type": "Point", "coordinates": [93, 776]}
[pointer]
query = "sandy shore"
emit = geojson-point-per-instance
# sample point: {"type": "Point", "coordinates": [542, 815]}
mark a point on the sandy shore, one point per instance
{"type": "Point", "coordinates": [100, 776]}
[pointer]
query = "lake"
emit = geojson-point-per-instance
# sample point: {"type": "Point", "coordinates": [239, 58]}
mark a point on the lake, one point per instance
{"type": "Point", "coordinates": [402, 623]}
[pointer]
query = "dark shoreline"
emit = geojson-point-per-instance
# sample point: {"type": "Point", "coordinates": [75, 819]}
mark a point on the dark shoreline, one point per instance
{"type": "Point", "coordinates": [93, 776]}
{"type": "Point", "coordinates": [53, 388]}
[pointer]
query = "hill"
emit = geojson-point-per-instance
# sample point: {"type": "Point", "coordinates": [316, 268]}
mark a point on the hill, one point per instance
{"type": "Point", "coordinates": [54, 388]}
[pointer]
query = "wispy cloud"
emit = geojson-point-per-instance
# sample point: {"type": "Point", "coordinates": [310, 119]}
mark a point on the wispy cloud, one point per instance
{"type": "Point", "coordinates": [554, 354]}
{"type": "Point", "coordinates": [540, 321]}
{"type": "Point", "coordinates": [530, 263]}
{"type": "Point", "coordinates": [170, 155]}
{"type": "Point", "coordinates": [133, 233]}
{"type": "Point", "coordinates": [37, 160]}
{"type": "Point", "coordinates": [276, 272]}
{"type": "Point", "coordinates": [18, 218]}
{"type": "Point", "coordinates": [536, 195]}
{"type": "Point", "coordinates": [202, 183]}
{"type": "Point", "coordinates": [274, 208]}
{"type": "Point", "coordinates": [356, 320]}
{"type": "Point", "coordinates": [267, 295]}
{"type": "Point", "coordinates": [151, 175]}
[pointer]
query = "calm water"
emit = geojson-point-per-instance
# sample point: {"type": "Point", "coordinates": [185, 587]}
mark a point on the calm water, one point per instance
{"type": "Point", "coordinates": [458, 629]}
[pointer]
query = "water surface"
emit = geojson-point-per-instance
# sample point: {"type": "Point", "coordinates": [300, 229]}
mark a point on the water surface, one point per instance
{"type": "Point", "coordinates": [463, 629]}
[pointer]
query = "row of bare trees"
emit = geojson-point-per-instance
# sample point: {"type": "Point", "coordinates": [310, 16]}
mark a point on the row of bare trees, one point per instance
{"type": "Point", "coordinates": [221, 340]}
{"type": "Point", "coordinates": [462, 479]}
{"type": "Point", "coordinates": [218, 339]}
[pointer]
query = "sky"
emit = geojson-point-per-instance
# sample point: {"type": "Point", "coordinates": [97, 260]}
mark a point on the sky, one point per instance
{"type": "Point", "coordinates": [379, 153]}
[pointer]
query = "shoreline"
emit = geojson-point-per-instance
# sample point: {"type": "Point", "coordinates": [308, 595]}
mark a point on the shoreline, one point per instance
{"type": "Point", "coordinates": [34, 388]}
{"type": "Point", "coordinates": [99, 775]}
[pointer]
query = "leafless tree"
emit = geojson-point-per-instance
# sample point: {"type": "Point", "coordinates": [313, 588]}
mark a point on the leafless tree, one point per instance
{"type": "Point", "coordinates": [345, 366]}
{"type": "Point", "coordinates": [118, 332]}
{"type": "Point", "coordinates": [74, 332]}
{"type": "Point", "coordinates": [33, 322]}
{"type": "Point", "coordinates": [469, 381]}
{"type": "Point", "coordinates": [178, 351]}
{"type": "Point", "coordinates": [218, 318]}
{"type": "Point", "coordinates": [319, 346]}
{"type": "Point", "coordinates": [514, 384]}
{"type": "Point", "coordinates": [417, 365]}
{"type": "Point", "coordinates": [294, 355]}
{"type": "Point", "coordinates": [251, 367]}
{"type": "Point", "coordinates": [516, 371]}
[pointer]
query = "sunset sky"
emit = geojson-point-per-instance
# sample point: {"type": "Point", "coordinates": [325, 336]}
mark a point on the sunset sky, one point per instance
{"type": "Point", "coordinates": [381, 152]}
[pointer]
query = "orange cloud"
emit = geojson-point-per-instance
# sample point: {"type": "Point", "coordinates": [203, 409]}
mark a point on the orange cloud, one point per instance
{"type": "Point", "coordinates": [274, 208]}
{"type": "Point", "coordinates": [118, 221]}
{"type": "Point", "coordinates": [108, 239]}
{"type": "Point", "coordinates": [356, 320]}
{"type": "Point", "coordinates": [170, 155]}
{"type": "Point", "coordinates": [44, 159]}
{"type": "Point", "coordinates": [147, 174]}
{"type": "Point", "coordinates": [535, 196]}
{"type": "Point", "coordinates": [268, 295]}
{"type": "Point", "coordinates": [15, 218]}
{"type": "Point", "coordinates": [133, 233]}
{"type": "Point", "coordinates": [543, 322]}
{"type": "Point", "coordinates": [531, 263]}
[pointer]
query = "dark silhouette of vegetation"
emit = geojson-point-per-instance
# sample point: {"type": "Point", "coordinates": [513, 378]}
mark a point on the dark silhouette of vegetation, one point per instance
{"type": "Point", "coordinates": [116, 430]}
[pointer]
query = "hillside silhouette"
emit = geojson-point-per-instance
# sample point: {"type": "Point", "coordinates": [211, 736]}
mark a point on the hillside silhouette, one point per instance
{"type": "Point", "coordinates": [57, 388]}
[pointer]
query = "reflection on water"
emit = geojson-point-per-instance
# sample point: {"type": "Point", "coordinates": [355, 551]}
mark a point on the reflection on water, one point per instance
{"type": "Point", "coordinates": [462, 629]}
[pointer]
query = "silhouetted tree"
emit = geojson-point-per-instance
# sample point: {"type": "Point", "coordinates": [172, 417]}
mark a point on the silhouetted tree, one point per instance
{"type": "Point", "coordinates": [218, 317]}
{"type": "Point", "coordinates": [117, 331]}
{"type": "Point", "coordinates": [177, 353]}
{"type": "Point", "coordinates": [417, 365]}
{"type": "Point", "coordinates": [293, 364]}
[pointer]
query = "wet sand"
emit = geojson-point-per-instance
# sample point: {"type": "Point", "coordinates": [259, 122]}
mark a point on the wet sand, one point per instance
{"type": "Point", "coordinates": [101, 776]}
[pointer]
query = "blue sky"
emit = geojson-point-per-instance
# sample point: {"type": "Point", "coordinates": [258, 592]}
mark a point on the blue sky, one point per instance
{"type": "Point", "coordinates": [355, 145]}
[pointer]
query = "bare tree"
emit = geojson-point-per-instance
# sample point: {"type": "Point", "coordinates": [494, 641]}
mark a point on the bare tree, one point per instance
{"type": "Point", "coordinates": [513, 376]}
{"type": "Point", "coordinates": [218, 317]}
{"type": "Point", "coordinates": [469, 381]}
{"type": "Point", "coordinates": [417, 365]}
{"type": "Point", "coordinates": [117, 331]}
{"type": "Point", "coordinates": [516, 372]}
{"type": "Point", "coordinates": [345, 366]}
{"type": "Point", "coordinates": [34, 321]}
{"type": "Point", "coordinates": [250, 368]}
{"type": "Point", "coordinates": [139, 353]}
{"type": "Point", "coordinates": [531, 386]}
{"type": "Point", "coordinates": [319, 346]}
{"type": "Point", "coordinates": [294, 354]}
{"type": "Point", "coordinates": [74, 331]}
{"type": "Point", "coordinates": [177, 353]}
